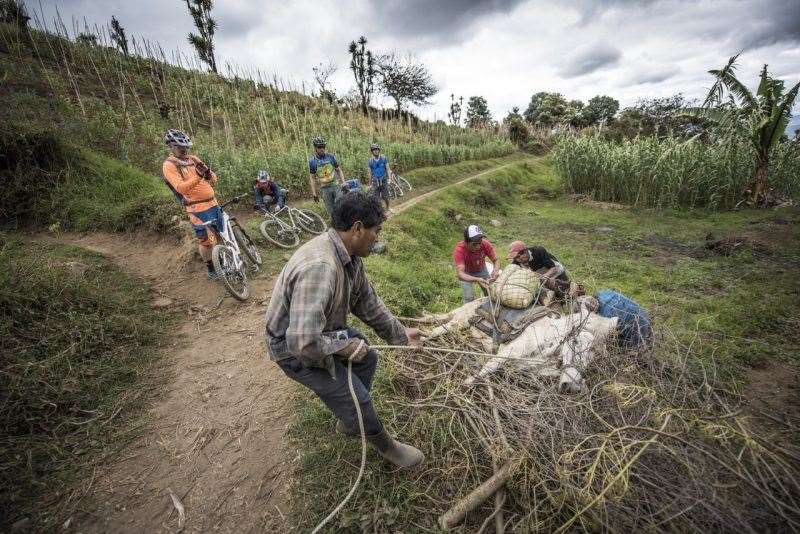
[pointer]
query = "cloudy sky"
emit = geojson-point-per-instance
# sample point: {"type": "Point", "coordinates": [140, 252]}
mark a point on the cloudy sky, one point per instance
{"type": "Point", "coordinates": [505, 50]}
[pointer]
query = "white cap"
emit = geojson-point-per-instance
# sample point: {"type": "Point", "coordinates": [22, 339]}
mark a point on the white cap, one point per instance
{"type": "Point", "coordinates": [473, 231]}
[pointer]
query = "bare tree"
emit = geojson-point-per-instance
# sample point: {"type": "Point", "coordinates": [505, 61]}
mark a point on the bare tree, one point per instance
{"type": "Point", "coordinates": [362, 63]}
{"type": "Point", "coordinates": [321, 74]}
{"type": "Point", "coordinates": [203, 41]}
{"type": "Point", "coordinates": [406, 80]}
{"type": "Point", "coordinates": [118, 35]}
{"type": "Point", "coordinates": [456, 105]}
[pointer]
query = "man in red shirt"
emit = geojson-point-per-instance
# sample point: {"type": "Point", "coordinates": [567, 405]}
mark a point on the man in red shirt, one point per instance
{"type": "Point", "coordinates": [469, 257]}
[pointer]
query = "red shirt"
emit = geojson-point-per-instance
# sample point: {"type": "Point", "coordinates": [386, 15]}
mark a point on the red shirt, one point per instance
{"type": "Point", "coordinates": [473, 262]}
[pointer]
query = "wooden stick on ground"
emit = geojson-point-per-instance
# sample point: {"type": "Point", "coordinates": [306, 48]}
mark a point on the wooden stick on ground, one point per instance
{"type": "Point", "coordinates": [476, 497]}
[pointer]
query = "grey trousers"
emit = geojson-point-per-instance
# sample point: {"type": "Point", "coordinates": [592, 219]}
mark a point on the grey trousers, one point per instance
{"type": "Point", "coordinates": [467, 294]}
{"type": "Point", "coordinates": [336, 393]}
{"type": "Point", "coordinates": [329, 194]}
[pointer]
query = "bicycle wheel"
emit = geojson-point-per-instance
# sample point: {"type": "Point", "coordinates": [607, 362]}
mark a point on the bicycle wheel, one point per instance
{"type": "Point", "coordinates": [247, 245]}
{"type": "Point", "coordinates": [395, 191]}
{"type": "Point", "coordinates": [234, 280]}
{"type": "Point", "coordinates": [311, 221]}
{"type": "Point", "coordinates": [279, 234]}
{"type": "Point", "coordinates": [403, 183]}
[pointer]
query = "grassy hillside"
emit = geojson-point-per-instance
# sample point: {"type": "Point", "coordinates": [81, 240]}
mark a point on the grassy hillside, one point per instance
{"type": "Point", "coordinates": [728, 307]}
{"type": "Point", "coordinates": [79, 343]}
{"type": "Point", "coordinates": [119, 106]}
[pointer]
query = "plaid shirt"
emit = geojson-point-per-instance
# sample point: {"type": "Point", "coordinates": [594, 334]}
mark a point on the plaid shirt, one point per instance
{"type": "Point", "coordinates": [313, 294]}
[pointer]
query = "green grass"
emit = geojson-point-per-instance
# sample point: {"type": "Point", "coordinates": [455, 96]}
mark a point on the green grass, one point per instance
{"type": "Point", "coordinates": [737, 311]}
{"type": "Point", "coordinates": [48, 181]}
{"type": "Point", "coordinates": [80, 360]}
{"type": "Point", "coordinates": [671, 173]}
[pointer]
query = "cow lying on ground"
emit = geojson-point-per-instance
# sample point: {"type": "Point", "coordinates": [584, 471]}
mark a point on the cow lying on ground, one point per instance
{"type": "Point", "coordinates": [553, 345]}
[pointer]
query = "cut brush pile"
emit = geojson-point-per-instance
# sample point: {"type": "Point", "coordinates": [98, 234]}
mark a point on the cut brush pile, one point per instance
{"type": "Point", "coordinates": [651, 445]}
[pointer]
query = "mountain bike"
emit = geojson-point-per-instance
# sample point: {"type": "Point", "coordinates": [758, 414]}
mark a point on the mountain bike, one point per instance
{"type": "Point", "coordinates": [229, 243]}
{"type": "Point", "coordinates": [398, 186]}
{"type": "Point", "coordinates": [283, 226]}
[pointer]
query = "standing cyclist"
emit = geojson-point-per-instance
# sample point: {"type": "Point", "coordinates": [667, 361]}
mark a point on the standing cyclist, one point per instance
{"type": "Point", "coordinates": [379, 173]}
{"type": "Point", "coordinates": [192, 182]}
{"type": "Point", "coordinates": [325, 175]}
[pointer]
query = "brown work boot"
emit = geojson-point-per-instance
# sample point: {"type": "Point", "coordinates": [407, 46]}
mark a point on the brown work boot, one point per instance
{"type": "Point", "coordinates": [400, 454]}
{"type": "Point", "coordinates": [341, 428]}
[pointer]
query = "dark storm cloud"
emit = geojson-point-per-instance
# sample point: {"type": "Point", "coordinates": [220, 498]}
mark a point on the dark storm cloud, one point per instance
{"type": "Point", "coordinates": [652, 76]}
{"type": "Point", "coordinates": [442, 20]}
{"type": "Point", "coordinates": [590, 60]}
{"type": "Point", "coordinates": [777, 22]}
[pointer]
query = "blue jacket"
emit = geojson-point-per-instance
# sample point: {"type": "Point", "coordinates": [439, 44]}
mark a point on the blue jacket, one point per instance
{"type": "Point", "coordinates": [633, 328]}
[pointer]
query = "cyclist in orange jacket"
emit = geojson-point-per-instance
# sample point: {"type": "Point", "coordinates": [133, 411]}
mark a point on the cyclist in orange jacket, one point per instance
{"type": "Point", "coordinates": [192, 182]}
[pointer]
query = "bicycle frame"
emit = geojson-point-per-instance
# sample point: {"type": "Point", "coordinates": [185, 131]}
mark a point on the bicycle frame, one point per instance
{"type": "Point", "coordinates": [291, 212]}
{"type": "Point", "coordinates": [226, 234]}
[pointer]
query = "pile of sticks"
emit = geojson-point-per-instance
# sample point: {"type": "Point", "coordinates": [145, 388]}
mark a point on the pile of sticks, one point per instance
{"type": "Point", "coordinates": [651, 445]}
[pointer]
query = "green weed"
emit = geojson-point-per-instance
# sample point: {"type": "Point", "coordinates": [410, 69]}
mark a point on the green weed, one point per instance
{"type": "Point", "coordinates": [79, 341]}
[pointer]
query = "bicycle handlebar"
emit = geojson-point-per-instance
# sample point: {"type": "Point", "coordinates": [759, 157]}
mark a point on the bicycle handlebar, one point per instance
{"type": "Point", "coordinates": [234, 200]}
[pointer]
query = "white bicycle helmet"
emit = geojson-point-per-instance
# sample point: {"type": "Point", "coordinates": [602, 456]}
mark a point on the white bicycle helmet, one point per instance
{"type": "Point", "coordinates": [177, 138]}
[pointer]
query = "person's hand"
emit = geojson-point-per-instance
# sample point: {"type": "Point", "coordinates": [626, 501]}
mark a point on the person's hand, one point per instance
{"type": "Point", "coordinates": [413, 335]}
{"type": "Point", "coordinates": [355, 350]}
{"type": "Point", "coordinates": [494, 276]}
{"type": "Point", "coordinates": [483, 283]}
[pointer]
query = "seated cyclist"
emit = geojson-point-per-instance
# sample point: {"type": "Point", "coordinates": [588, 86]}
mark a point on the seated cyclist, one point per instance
{"type": "Point", "coordinates": [268, 192]}
{"type": "Point", "coordinates": [193, 183]}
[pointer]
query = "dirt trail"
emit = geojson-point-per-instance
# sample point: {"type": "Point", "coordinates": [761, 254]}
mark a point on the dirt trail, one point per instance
{"type": "Point", "coordinates": [400, 208]}
{"type": "Point", "coordinates": [216, 438]}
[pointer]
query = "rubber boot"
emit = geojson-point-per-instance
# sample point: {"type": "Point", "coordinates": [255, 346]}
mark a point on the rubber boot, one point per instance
{"type": "Point", "coordinates": [341, 428]}
{"type": "Point", "coordinates": [400, 454]}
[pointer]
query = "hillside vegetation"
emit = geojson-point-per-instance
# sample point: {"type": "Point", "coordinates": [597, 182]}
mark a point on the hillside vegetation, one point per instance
{"type": "Point", "coordinates": [118, 106]}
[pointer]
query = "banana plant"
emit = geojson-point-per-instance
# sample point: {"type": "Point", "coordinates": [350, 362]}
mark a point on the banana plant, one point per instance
{"type": "Point", "coordinates": [761, 117]}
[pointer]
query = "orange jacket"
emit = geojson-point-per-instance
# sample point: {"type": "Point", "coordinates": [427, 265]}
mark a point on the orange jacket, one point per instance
{"type": "Point", "coordinates": [183, 176]}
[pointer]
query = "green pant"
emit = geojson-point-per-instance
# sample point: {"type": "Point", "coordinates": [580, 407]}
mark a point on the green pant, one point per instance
{"type": "Point", "coordinates": [329, 194]}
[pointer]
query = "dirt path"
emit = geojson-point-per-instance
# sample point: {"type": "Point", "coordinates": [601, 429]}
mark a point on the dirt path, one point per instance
{"type": "Point", "coordinates": [400, 208]}
{"type": "Point", "coordinates": [216, 439]}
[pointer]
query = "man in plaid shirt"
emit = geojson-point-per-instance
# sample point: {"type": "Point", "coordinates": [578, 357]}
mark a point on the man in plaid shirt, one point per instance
{"type": "Point", "coordinates": [307, 332]}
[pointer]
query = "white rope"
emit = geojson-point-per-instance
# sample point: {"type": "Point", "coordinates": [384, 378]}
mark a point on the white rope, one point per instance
{"type": "Point", "coordinates": [363, 450]}
{"type": "Point", "coordinates": [447, 351]}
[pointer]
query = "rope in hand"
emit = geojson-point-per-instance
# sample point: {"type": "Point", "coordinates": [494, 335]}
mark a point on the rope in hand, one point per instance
{"type": "Point", "coordinates": [360, 418]}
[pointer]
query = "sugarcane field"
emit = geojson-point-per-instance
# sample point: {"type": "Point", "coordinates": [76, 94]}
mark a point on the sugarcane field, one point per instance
{"type": "Point", "coordinates": [400, 267]}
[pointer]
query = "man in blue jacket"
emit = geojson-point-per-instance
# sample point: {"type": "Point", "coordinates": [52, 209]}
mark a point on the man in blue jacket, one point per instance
{"type": "Point", "coordinates": [379, 172]}
{"type": "Point", "coordinates": [634, 329]}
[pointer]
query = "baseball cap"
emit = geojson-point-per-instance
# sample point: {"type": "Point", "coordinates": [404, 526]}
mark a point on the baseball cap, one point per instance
{"type": "Point", "coordinates": [515, 248]}
{"type": "Point", "coordinates": [474, 232]}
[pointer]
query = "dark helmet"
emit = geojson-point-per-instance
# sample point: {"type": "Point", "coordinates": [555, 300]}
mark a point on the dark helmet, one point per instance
{"type": "Point", "coordinates": [177, 138]}
{"type": "Point", "coordinates": [375, 146]}
{"type": "Point", "coordinates": [318, 142]}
